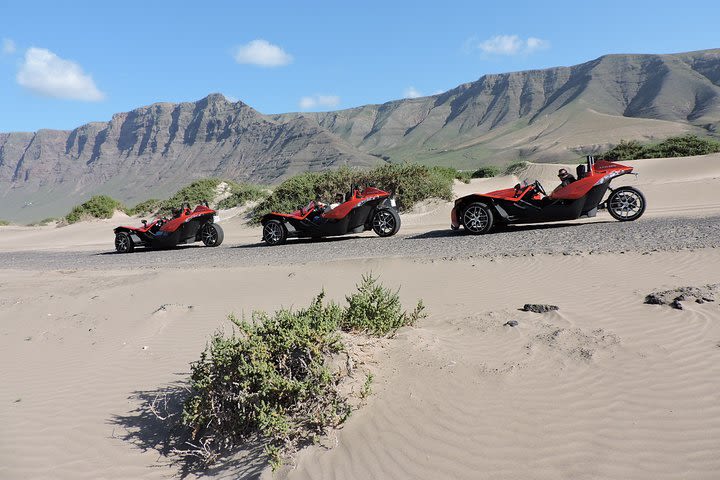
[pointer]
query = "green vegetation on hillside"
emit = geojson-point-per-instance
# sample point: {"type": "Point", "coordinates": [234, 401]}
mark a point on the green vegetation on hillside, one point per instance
{"type": "Point", "coordinates": [272, 379]}
{"type": "Point", "coordinates": [486, 172]}
{"type": "Point", "coordinates": [99, 206]}
{"type": "Point", "coordinates": [515, 168]}
{"type": "Point", "coordinates": [4, 223]}
{"type": "Point", "coordinates": [200, 191]}
{"type": "Point", "coordinates": [411, 184]}
{"type": "Point", "coordinates": [682, 146]}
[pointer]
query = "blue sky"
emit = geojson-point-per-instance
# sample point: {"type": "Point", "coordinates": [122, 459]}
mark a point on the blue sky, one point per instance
{"type": "Point", "coordinates": [63, 64]}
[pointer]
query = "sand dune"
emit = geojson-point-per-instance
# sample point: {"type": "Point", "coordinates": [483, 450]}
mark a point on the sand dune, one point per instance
{"type": "Point", "coordinates": [604, 388]}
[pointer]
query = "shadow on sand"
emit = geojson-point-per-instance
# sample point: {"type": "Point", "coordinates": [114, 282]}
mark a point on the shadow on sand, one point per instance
{"type": "Point", "coordinates": [155, 424]}
{"type": "Point", "coordinates": [300, 241]}
{"type": "Point", "coordinates": [500, 229]}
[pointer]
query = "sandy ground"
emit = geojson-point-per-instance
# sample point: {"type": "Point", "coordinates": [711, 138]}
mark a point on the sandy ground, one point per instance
{"type": "Point", "coordinates": [605, 387]}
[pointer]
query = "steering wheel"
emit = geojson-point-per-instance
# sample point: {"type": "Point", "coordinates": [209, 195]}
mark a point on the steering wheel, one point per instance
{"type": "Point", "coordinates": [540, 188]}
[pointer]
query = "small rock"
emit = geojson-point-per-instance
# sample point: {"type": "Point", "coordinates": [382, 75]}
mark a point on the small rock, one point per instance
{"type": "Point", "coordinates": [145, 347]}
{"type": "Point", "coordinates": [539, 307]}
{"type": "Point", "coordinates": [676, 304]}
{"type": "Point", "coordinates": [700, 300]}
{"type": "Point", "coordinates": [654, 299]}
{"type": "Point", "coordinates": [511, 323]}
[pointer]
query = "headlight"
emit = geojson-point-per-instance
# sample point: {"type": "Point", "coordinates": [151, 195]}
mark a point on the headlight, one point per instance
{"type": "Point", "coordinates": [216, 218]}
{"type": "Point", "coordinates": [393, 203]}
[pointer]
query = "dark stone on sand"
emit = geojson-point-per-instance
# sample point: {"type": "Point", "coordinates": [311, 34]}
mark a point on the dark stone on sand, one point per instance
{"type": "Point", "coordinates": [511, 323]}
{"type": "Point", "coordinates": [539, 307]}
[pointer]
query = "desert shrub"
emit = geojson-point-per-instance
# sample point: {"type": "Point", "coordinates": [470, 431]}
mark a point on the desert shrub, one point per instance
{"type": "Point", "coordinates": [194, 194]}
{"type": "Point", "coordinates": [4, 223]}
{"type": "Point", "coordinates": [452, 173]}
{"type": "Point", "coordinates": [44, 222]}
{"type": "Point", "coordinates": [411, 183]}
{"type": "Point", "coordinates": [486, 172]}
{"type": "Point", "coordinates": [268, 379]}
{"type": "Point", "coordinates": [241, 193]}
{"type": "Point", "coordinates": [515, 168]}
{"type": "Point", "coordinates": [99, 206]}
{"type": "Point", "coordinates": [271, 381]}
{"type": "Point", "coordinates": [681, 146]}
{"type": "Point", "coordinates": [625, 150]}
{"type": "Point", "coordinates": [376, 310]}
{"type": "Point", "coordinates": [145, 208]}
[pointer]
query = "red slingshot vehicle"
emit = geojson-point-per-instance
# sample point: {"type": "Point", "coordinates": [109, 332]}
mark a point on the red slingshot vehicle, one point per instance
{"type": "Point", "coordinates": [186, 226]}
{"type": "Point", "coordinates": [360, 210]}
{"type": "Point", "coordinates": [527, 202]}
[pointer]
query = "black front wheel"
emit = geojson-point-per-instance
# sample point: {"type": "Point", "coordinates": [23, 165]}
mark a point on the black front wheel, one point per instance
{"type": "Point", "coordinates": [124, 243]}
{"type": "Point", "coordinates": [477, 218]}
{"type": "Point", "coordinates": [626, 204]}
{"type": "Point", "coordinates": [212, 235]}
{"type": "Point", "coordinates": [274, 232]}
{"type": "Point", "coordinates": [386, 222]}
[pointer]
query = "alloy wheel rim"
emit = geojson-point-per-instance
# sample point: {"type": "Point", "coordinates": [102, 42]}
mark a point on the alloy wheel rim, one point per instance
{"type": "Point", "coordinates": [209, 236]}
{"type": "Point", "coordinates": [626, 204]}
{"type": "Point", "coordinates": [121, 243]}
{"type": "Point", "coordinates": [273, 232]}
{"type": "Point", "coordinates": [476, 219]}
{"type": "Point", "coordinates": [384, 222]}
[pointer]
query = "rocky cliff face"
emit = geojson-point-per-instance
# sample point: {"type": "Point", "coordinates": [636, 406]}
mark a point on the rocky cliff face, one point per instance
{"type": "Point", "coordinates": [673, 92]}
{"type": "Point", "coordinates": [154, 150]}
{"type": "Point", "coordinates": [555, 114]}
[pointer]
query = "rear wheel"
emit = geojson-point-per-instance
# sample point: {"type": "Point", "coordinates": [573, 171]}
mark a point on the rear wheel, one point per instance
{"type": "Point", "coordinates": [274, 232]}
{"type": "Point", "coordinates": [386, 222]}
{"type": "Point", "coordinates": [477, 218]}
{"type": "Point", "coordinates": [212, 235]}
{"type": "Point", "coordinates": [124, 243]}
{"type": "Point", "coordinates": [626, 204]}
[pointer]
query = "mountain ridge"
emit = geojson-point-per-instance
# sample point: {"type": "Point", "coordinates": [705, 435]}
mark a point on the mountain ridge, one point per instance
{"type": "Point", "coordinates": [553, 114]}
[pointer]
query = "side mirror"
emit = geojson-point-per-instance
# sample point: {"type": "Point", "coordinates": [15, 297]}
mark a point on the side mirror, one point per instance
{"type": "Point", "coordinates": [144, 222]}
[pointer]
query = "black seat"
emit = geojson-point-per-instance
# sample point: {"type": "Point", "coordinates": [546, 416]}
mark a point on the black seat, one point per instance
{"type": "Point", "coordinates": [582, 171]}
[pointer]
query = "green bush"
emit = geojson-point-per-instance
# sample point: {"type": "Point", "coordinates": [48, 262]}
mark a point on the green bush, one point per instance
{"type": "Point", "coordinates": [515, 168]}
{"type": "Point", "coordinates": [411, 183]}
{"type": "Point", "coordinates": [271, 380]}
{"type": "Point", "coordinates": [625, 150]}
{"type": "Point", "coordinates": [452, 173]}
{"type": "Point", "coordinates": [486, 172]}
{"type": "Point", "coordinates": [99, 206]}
{"type": "Point", "coordinates": [376, 310]}
{"type": "Point", "coordinates": [682, 146]}
{"type": "Point", "coordinates": [4, 223]}
{"type": "Point", "coordinates": [197, 192]}
{"type": "Point", "coordinates": [145, 208]}
{"type": "Point", "coordinates": [240, 194]}
{"type": "Point", "coordinates": [200, 191]}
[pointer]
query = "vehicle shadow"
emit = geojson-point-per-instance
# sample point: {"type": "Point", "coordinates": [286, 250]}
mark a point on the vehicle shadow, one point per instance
{"type": "Point", "coordinates": [503, 229]}
{"type": "Point", "coordinates": [149, 250]}
{"type": "Point", "coordinates": [299, 241]}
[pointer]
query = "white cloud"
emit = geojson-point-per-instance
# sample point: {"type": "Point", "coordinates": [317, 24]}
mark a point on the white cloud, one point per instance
{"type": "Point", "coordinates": [8, 46]}
{"type": "Point", "coordinates": [412, 92]}
{"type": "Point", "coordinates": [512, 45]}
{"type": "Point", "coordinates": [44, 73]}
{"type": "Point", "coordinates": [262, 53]}
{"type": "Point", "coordinates": [318, 101]}
{"type": "Point", "coordinates": [534, 44]}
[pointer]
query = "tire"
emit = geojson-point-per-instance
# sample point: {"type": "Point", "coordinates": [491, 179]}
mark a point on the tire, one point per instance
{"type": "Point", "coordinates": [124, 243]}
{"type": "Point", "coordinates": [477, 218]}
{"type": "Point", "coordinates": [274, 232]}
{"type": "Point", "coordinates": [386, 222]}
{"type": "Point", "coordinates": [626, 204]}
{"type": "Point", "coordinates": [212, 235]}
